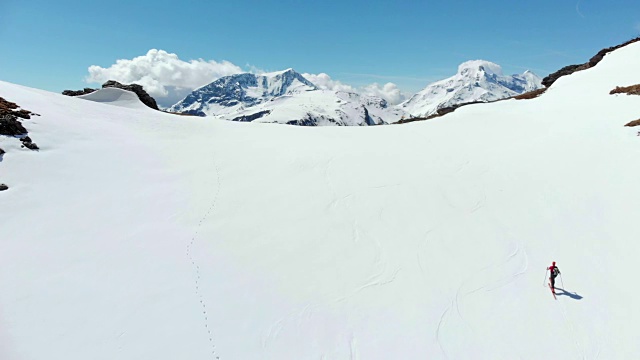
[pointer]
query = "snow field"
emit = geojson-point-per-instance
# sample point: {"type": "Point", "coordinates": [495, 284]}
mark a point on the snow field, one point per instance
{"type": "Point", "coordinates": [135, 234]}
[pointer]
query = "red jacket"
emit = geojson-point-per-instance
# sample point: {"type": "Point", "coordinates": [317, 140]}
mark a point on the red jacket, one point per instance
{"type": "Point", "coordinates": [552, 267]}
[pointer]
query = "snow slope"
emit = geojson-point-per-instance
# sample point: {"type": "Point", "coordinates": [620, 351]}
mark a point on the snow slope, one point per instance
{"type": "Point", "coordinates": [476, 80]}
{"type": "Point", "coordinates": [135, 234]}
{"type": "Point", "coordinates": [115, 96]}
{"type": "Point", "coordinates": [321, 108]}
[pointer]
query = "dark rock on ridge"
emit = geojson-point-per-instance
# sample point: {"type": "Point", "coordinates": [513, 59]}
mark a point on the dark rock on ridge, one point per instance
{"type": "Point", "coordinates": [28, 143]}
{"type": "Point", "coordinates": [9, 114]}
{"type": "Point", "coordinates": [11, 126]}
{"type": "Point", "coordinates": [85, 91]}
{"type": "Point", "coordinates": [247, 118]}
{"type": "Point", "coordinates": [570, 69]}
{"type": "Point", "coordinates": [138, 89]}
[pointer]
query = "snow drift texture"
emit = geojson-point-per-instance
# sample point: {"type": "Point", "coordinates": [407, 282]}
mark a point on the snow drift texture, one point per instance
{"type": "Point", "coordinates": [135, 234]}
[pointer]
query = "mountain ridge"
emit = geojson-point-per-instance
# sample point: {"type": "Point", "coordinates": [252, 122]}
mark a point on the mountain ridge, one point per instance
{"type": "Point", "coordinates": [230, 93]}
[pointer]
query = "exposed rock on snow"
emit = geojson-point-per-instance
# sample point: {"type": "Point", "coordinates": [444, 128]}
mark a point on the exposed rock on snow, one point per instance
{"type": "Point", "coordinates": [10, 126]}
{"type": "Point", "coordinates": [531, 94]}
{"type": "Point", "coordinates": [28, 143]}
{"type": "Point", "coordinates": [629, 90]}
{"type": "Point", "coordinates": [633, 123]}
{"type": "Point", "coordinates": [9, 114]}
{"type": "Point", "coordinates": [85, 91]}
{"type": "Point", "coordinates": [566, 70]}
{"type": "Point", "coordinates": [3, 187]}
{"type": "Point", "coordinates": [138, 89]}
{"type": "Point", "coordinates": [247, 118]}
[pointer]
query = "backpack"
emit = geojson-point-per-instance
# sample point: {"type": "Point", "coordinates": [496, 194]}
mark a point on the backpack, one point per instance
{"type": "Point", "coordinates": [554, 271]}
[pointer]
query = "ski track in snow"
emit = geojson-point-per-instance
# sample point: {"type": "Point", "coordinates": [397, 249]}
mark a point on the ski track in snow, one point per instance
{"type": "Point", "coordinates": [572, 330]}
{"type": "Point", "coordinates": [296, 316]}
{"type": "Point", "coordinates": [438, 329]}
{"type": "Point", "coordinates": [354, 354]}
{"type": "Point", "coordinates": [422, 245]}
{"type": "Point", "coordinates": [377, 278]}
{"type": "Point", "coordinates": [460, 294]}
{"type": "Point", "coordinates": [196, 267]}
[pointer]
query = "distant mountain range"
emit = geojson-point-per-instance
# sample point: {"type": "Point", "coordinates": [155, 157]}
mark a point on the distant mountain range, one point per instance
{"type": "Point", "coordinates": [284, 97]}
{"type": "Point", "coordinates": [289, 98]}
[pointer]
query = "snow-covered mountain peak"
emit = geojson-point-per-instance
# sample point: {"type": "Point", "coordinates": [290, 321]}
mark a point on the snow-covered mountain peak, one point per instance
{"type": "Point", "coordinates": [231, 93]}
{"type": "Point", "coordinates": [280, 72]}
{"type": "Point", "coordinates": [473, 67]}
{"type": "Point", "coordinates": [476, 80]}
{"type": "Point", "coordinates": [287, 81]}
{"type": "Point", "coordinates": [533, 81]}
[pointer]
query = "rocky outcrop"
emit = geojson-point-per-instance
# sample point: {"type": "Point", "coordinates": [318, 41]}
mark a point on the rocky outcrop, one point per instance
{"type": "Point", "coordinates": [531, 94]}
{"type": "Point", "coordinates": [84, 91]}
{"type": "Point", "coordinates": [570, 69]}
{"type": "Point", "coordinates": [629, 90]}
{"type": "Point", "coordinates": [9, 114]}
{"type": "Point", "coordinates": [186, 113]}
{"type": "Point", "coordinates": [11, 126]}
{"type": "Point", "coordinates": [634, 123]}
{"type": "Point", "coordinates": [311, 120]}
{"type": "Point", "coordinates": [247, 118]}
{"type": "Point", "coordinates": [138, 89]}
{"type": "Point", "coordinates": [28, 143]}
{"type": "Point", "coordinates": [567, 70]}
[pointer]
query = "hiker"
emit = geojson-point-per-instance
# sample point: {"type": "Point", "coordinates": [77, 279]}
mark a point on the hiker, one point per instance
{"type": "Point", "coordinates": [554, 271]}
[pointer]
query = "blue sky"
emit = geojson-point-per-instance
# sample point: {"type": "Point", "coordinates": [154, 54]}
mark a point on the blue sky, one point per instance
{"type": "Point", "coordinates": [50, 44]}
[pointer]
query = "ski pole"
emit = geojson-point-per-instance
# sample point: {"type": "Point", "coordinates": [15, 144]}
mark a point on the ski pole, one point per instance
{"type": "Point", "coordinates": [562, 282]}
{"type": "Point", "coordinates": [545, 277]}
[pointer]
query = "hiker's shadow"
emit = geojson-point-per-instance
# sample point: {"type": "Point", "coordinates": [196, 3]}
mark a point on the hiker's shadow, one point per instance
{"type": "Point", "coordinates": [572, 295]}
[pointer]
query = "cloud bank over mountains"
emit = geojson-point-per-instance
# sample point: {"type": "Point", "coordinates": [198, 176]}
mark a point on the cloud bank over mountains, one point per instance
{"type": "Point", "coordinates": [169, 79]}
{"type": "Point", "coordinates": [164, 75]}
{"type": "Point", "coordinates": [388, 91]}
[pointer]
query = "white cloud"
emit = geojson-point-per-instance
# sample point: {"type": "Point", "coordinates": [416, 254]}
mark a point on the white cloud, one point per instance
{"type": "Point", "coordinates": [254, 69]}
{"type": "Point", "coordinates": [578, 10]}
{"type": "Point", "coordinates": [169, 79]}
{"type": "Point", "coordinates": [389, 91]}
{"type": "Point", "coordinates": [163, 75]}
{"type": "Point", "coordinates": [324, 81]}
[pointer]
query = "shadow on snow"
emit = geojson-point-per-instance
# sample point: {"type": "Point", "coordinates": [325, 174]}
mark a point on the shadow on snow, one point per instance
{"type": "Point", "coordinates": [572, 295]}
